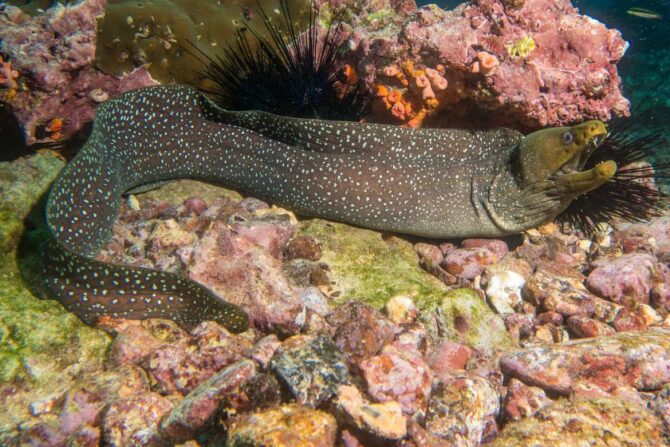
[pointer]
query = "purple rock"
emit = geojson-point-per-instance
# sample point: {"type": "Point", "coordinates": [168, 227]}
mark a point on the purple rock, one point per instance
{"type": "Point", "coordinates": [627, 279]}
{"type": "Point", "coordinates": [189, 416]}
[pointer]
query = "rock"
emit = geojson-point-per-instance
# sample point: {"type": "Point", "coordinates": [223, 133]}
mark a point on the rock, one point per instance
{"type": "Point", "coordinates": [588, 327]}
{"type": "Point", "coordinates": [43, 348]}
{"type": "Point", "coordinates": [198, 407]}
{"type": "Point", "coordinates": [195, 205]}
{"type": "Point", "coordinates": [462, 409]}
{"type": "Point", "coordinates": [522, 401]}
{"type": "Point", "coordinates": [520, 325]}
{"type": "Point", "coordinates": [134, 419]}
{"type": "Point", "coordinates": [287, 426]}
{"type": "Point", "coordinates": [448, 356]}
{"type": "Point", "coordinates": [561, 294]}
{"type": "Point", "coordinates": [303, 273]}
{"type": "Point", "coordinates": [361, 330]}
{"type": "Point", "coordinates": [605, 311]}
{"type": "Point", "coordinates": [398, 375]}
{"type": "Point", "coordinates": [639, 360]}
{"type": "Point", "coordinates": [504, 291]}
{"type": "Point", "coordinates": [311, 367]}
{"type": "Point", "coordinates": [629, 320]}
{"type": "Point", "coordinates": [628, 279]}
{"type": "Point", "coordinates": [401, 309]}
{"type": "Point", "coordinates": [660, 404]}
{"type": "Point", "coordinates": [259, 392]}
{"type": "Point", "coordinates": [368, 266]}
{"type": "Point", "coordinates": [133, 345]}
{"type": "Point", "coordinates": [492, 43]}
{"type": "Point", "coordinates": [270, 232]}
{"type": "Point", "coordinates": [462, 316]}
{"type": "Point", "coordinates": [70, 32]}
{"type": "Point", "coordinates": [660, 297]}
{"type": "Point", "coordinates": [383, 420]}
{"type": "Point", "coordinates": [241, 263]}
{"type": "Point", "coordinates": [652, 237]}
{"type": "Point", "coordinates": [600, 422]}
{"type": "Point", "coordinates": [314, 300]}
{"type": "Point", "coordinates": [414, 337]}
{"type": "Point", "coordinates": [83, 404]}
{"type": "Point", "coordinates": [304, 247]}
{"type": "Point", "coordinates": [85, 437]}
{"type": "Point", "coordinates": [475, 256]}
{"type": "Point", "coordinates": [264, 349]}
{"type": "Point", "coordinates": [181, 367]}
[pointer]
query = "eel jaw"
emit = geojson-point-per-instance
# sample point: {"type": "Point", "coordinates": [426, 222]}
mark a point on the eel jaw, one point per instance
{"type": "Point", "coordinates": [579, 160]}
{"type": "Point", "coordinates": [579, 182]}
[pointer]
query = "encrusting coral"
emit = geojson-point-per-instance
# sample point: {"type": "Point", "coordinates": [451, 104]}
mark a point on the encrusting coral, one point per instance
{"type": "Point", "coordinates": [8, 77]}
{"type": "Point", "coordinates": [411, 94]}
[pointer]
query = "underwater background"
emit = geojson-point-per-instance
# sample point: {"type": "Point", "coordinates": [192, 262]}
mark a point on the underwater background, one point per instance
{"type": "Point", "coordinates": [550, 335]}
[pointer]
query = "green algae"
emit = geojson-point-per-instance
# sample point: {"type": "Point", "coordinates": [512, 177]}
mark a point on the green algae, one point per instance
{"type": "Point", "coordinates": [370, 268]}
{"type": "Point", "coordinates": [464, 317]}
{"type": "Point", "coordinates": [43, 348]}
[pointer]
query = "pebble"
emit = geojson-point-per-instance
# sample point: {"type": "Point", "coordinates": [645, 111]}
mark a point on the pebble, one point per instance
{"type": "Point", "coordinates": [504, 291]}
{"type": "Point", "coordinates": [583, 327]}
{"type": "Point", "coordinates": [198, 407]}
{"type": "Point", "coordinates": [564, 295]}
{"type": "Point", "coordinates": [304, 247]}
{"type": "Point", "coordinates": [361, 330]}
{"type": "Point", "coordinates": [522, 401]}
{"type": "Point", "coordinates": [311, 367]}
{"type": "Point", "coordinates": [134, 419]}
{"type": "Point", "coordinates": [289, 425]}
{"type": "Point", "coordinates": [384, 420]}
{"type": "Point", "coordinates": [627, 279]}
{"type": "Point", "coordinates": [264, 349]}
{"type": "Point", "coordinates": [398, 375]}
{"type": "Point", "coordinates": [401, 309]}
{"type": "Point", "coordinates": [600, 422]}
{"type": "Point", "coordinates": [462, 410]}
{"type": "Point", "coordinates": [476, 255]}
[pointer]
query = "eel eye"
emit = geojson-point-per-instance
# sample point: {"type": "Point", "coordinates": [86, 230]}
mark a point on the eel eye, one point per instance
{"type": "Point", "coordinates": [568, 138]}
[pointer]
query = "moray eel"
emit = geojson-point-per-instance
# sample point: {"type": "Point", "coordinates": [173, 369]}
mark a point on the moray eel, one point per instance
{"type": "Point", "coordinates": [438, 183]}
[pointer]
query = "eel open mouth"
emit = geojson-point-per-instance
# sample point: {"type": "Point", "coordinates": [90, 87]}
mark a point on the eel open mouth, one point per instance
{"type": "Point", "coordinates": [637, 146]}
{"type": "Point", "coordinates": [577, 163]}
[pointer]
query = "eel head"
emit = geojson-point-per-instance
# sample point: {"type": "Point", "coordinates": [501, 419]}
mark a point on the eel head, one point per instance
{"type": "Point", "coordinates": [552, 159]}
{"type": "Point", "coordinates": [548, 176]}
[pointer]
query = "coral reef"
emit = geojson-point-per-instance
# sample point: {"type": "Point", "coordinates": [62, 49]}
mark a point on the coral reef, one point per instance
{"type": "Point", "coordinates": [52, 55]}
{"type": "Point", "coordinates": [528, 65]}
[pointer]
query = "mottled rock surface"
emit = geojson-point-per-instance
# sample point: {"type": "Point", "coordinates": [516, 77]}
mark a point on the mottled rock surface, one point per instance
{"type": "Point", "coordinates": [285, 426]}
{"type": "Point", "coordinates": [639, 360]}
{"type": "Point", "coordinates": [311, 367]}
{"type": "Point", "coordinates": [598, 422]}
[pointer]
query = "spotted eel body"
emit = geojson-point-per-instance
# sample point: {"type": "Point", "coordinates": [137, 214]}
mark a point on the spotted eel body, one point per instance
{"type": "Point", "coordinates": [436, 183]}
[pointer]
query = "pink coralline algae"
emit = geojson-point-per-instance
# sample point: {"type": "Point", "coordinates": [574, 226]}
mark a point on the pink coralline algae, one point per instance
{"type": "Point", "coordinates": [528, 65]}
{"type": "Point", "coordinates": [54, 54]}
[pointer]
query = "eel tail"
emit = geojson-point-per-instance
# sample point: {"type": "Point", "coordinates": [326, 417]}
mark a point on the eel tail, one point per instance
{"type": "Point", "coordinates": [92, 289]}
